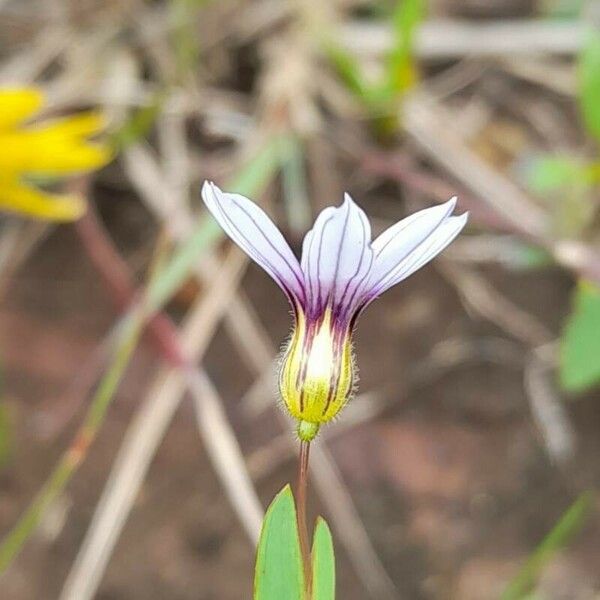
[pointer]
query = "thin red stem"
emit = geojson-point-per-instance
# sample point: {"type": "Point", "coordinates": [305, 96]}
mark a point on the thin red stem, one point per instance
{"type": "Point", "coordinates": [119, 280]}
{"type": "Point", "coordinates": [301, 493]}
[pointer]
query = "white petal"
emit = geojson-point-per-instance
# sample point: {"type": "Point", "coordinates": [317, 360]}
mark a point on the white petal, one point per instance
{"type": "Point", "coordinates": [419, 257]}
{"type": "Point", "coordinates": [399, 240]}
{"type": "Point", "coordinates": [254, 232]}
{"type": "Point", "coordinates": [337, 257]}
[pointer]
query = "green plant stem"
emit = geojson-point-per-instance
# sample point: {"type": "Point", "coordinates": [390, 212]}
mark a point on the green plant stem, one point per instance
{"type": "Point", "coordinates": [301, 493]}
{"type": "Point", "coordinates": [160, 287]}
{"type": "Point", "coordinates": [114, 272]}
{"type": "Point", "coordinates": [119, 281]}
{"type": "Point", "coordinates": [77, 450]}
{"type": "Point", "coordinates": [560, 535]}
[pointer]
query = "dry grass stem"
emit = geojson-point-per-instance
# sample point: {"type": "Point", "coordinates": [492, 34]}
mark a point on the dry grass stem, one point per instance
{"type": "Point", "coordinates": [549, 413]}
{"type": "Point", "coordinates": [455, 39]}
{"type": "Point", "coordinates": [144, 436]}
{"type": "Point", "coordinates": [483, 298]}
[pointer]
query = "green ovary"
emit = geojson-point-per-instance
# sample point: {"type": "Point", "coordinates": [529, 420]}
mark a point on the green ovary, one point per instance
{"type": "Point", "coordinates": [317, 374]}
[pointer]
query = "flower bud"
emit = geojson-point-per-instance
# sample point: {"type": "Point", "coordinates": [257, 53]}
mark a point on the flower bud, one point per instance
{"type": "Point", "coordinates": [317, 373]}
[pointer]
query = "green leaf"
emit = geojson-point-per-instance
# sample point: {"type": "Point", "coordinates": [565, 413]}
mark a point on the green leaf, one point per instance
{"type": "Point", "coordinates": [560, 535]}
{"type": "Point", "coordinates": [349, 70]}
{"type": "Point", "coordinates": [323, 563]}
{"type": "Point", "coordinates": [526, 257]}
{"type": "Point", "coordinates": [279, 572]}
{"type": "Point", "coordinates": [561, 10]}
{"type": "Point", "coordinates": [551, 173]}
{"type": "Point", "coordinates": [401, 69]}
{"type": "Point", "coordinates": [580, 343]}
{"type": "Point", "coordinates": [183, 15]}
{"type": "Point", "coordinates": [589, 83]}
{"type": "Point", "coordinates": [139, 124]}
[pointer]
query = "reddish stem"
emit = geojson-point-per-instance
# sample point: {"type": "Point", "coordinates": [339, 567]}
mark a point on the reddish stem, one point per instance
{"type": "Point", "coordinates": [118, 279]}
{"type": "Point", "coordinates": [301, 493]}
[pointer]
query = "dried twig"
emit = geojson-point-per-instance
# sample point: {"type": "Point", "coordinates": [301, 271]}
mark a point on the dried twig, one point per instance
{"type": "Point", "coordinates": [402, 167]}
{"type": "Point", "coordinates": [222, 445]}
{"type": "Point", "coordinates": [431, 127]}
{"type": "Point", "coordinates": [143, 437]}
{"type": "Point", "coordinates": [453, 39]}
{"type": "Point", "coordinates": [241, 321]}
{"type": "Point", "coordinates": [489, 303]}
{"type": "Point", "coordinates": [556, 76]}
{"type": "Point", "coordinates": [547, 408]}
{"type": "Point", "coordinates": [26, 66]}
{"type": "Point", "coordinates": [349, 526]}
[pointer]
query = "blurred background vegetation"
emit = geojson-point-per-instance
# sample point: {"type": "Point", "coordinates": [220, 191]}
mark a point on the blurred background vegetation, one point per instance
{"type": "Point", "coordinates": [140, 437]}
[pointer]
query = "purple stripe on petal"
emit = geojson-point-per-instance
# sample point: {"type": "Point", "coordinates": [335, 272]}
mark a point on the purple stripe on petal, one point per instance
{"type": "Point", "coordinates": [336, 258]}
{"type": "Point", "coordinates": [254, 232]}
{"type": "Point", "coordinates": [399, 240]}
{"type": "Point", "coordinates": [421, 255]}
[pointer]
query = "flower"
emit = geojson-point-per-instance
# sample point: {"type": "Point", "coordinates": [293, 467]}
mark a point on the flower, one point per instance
{"type": "Point", "coordinates": [44, 150]}
{"type": "Point", "coordinates": [341, 272]}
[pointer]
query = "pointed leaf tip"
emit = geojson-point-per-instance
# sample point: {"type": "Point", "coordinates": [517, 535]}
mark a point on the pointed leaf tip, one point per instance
{"type": "Point", "coordinates": [279, 573]}
{"type": "Point", "coordinates": [323, 563]}
{"type": "Point", "coordinates": [580, 342]}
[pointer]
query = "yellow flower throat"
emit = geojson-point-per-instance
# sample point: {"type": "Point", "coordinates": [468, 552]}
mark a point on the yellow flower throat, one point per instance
{"type": "Point", "coordinates": [317, 374]}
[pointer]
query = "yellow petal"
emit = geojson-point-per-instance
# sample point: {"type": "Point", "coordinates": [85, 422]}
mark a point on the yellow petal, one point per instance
{"type": "Point", "coordinates": [38, 153]}
{"type": "Point", "coordinates": [69, 159]}
{"type": "Point", "coordinates": [17, 104]}
{"type": "Point", "coordinates": [85, 124]}
{"type": "Point", "coordinates": [25, 200]}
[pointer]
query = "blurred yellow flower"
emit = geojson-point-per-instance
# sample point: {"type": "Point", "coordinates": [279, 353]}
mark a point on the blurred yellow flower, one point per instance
{"type": "Point", "coordinates": [44, 150]}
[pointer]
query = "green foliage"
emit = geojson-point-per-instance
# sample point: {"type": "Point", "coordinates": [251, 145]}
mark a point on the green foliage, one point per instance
{"type": "Point", "coordinates": [184, 38]}
{"type": "Point", "coordinates": [126, 343]}
{"type": "Point", "coordinates": [589, 83]}
{"type": "Point", "coordinates": [525, 257]}
{"type": "Point", "coordinates": [162, 285]}
{"type": "Point", "coordinates": [580, 343]}
{"type": "Point", "coordinates": [256, 173]}
{"type": "Point", "coordinates": [381, 99]}
{"type": "Point", "coordinates": [401, 72]}
{"type": "Point", "coordinates": [279, 572]}
{"type": "Point", "coordinates": [550, 173]}
{"type": "Point", "coordinates": [349, 71]}
{"type": "Point", "coordinates": [138, 125]}
{"type": "Point", "coordinates": [566, 184]}
{"type": "Point", "coordinates": [323, 563]}
{"type": "Point", "coordinates": [561, 534]}
{"type": "Point", "coordinates": [561, 9]}
{"type": "Point", "coordinates": [571, 177]}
